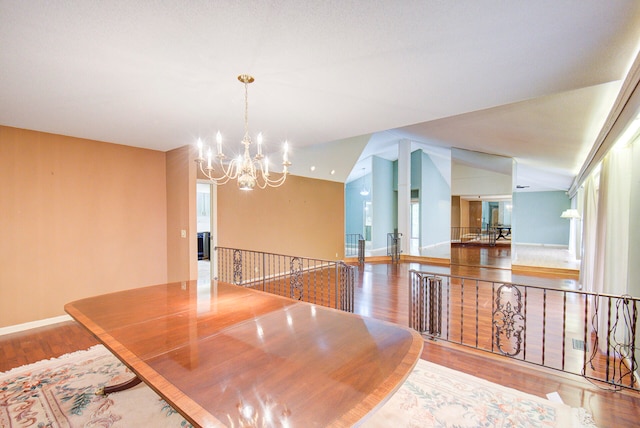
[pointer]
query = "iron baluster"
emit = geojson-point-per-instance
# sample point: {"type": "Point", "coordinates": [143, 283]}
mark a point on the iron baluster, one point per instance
{"type": "Point", "coordinates": [544, 323]}
{"type": "Point", "coordinates": [508, 319]}
{"type": "Point", "coordinates": [493, 311]}
{"type": "Point", "coordinates": [462, 311]}
{"type": "Point", "coordinates": [608, 335]}
{"type": "Point", "coordinates": [295, 285]}
{"type": "Point", "coordinates": [634, 364]}
{"type": "Point", "coordinates": [237, 267]}
{"type": "Point", "coordinates": [564, 325]}
{"type": "Point", "coordinates": [477, 316]}
{"type": "Point", "coordinates": [524, 354]}
{"type": "Point", "coordinates": [586, 325]}
{"type": "Point", "coordinates": [435, 318]}
{"type": "Point", "coordinates": [448, 305]}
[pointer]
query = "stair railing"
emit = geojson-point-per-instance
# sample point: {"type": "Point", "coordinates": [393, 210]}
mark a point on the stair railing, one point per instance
{"type": "Point", "coordinates": [322, 282]}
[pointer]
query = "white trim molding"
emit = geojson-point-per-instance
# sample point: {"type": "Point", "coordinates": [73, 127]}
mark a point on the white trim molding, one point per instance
{"type": "Point", "coordinates": [34, 324]}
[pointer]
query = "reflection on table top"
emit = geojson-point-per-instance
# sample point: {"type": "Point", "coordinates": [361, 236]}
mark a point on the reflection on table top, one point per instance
{"type": "Point", "coordinates": [234, 356]}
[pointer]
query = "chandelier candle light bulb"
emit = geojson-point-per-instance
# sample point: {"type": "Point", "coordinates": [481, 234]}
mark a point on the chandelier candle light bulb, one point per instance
{"type": "Point", "coordinates": [249, 172]}
{"type": "Point", "coordinates": [219, 142]}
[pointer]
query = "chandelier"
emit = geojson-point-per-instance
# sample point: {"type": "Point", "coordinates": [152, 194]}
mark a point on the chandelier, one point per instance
{"type": "Point", "coordinates": [249, 171]}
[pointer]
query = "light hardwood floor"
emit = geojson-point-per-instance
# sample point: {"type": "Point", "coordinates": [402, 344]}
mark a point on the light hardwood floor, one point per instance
{"type": "Point", "coordinates": [382, 293]}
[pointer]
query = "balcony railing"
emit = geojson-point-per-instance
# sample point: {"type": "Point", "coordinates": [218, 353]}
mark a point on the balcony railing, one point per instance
{"type": "Point", "coordinates": [592, 335]}
{"type": "Point", "coordinates": [394, 246]}
{"type": "Point", "coordinates": [322, 282]}
{"type": "Point", "coordinates": [474, 235]}
{"type": "Point", "coordinates": [354, 246]}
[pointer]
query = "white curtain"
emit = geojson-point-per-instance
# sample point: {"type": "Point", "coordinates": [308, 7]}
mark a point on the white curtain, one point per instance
{"type": "Point", "coordinates": [576, 227]}
{"type": "Point", "coordinates": [612, 263]}
{"type": "Point", "coordinates": [589, 227]}
{"type": "Point", "coordinates": [611, 258]}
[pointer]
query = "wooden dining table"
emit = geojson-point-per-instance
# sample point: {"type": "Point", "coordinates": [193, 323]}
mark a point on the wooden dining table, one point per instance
{"type": "Point", "coordinates": [226, 355]}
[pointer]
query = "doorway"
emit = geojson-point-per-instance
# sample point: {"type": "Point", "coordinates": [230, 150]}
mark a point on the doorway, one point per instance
{"type": "Point", "coordinates": [414, 244]}
{"type": "Point", "coordinates": [205, 213]}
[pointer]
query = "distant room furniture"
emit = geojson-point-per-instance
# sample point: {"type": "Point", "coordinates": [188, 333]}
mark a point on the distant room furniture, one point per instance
{"type": "Point", "coordinates": [203, 245]}
{"type": "Point", "coordinates": [504, 232]}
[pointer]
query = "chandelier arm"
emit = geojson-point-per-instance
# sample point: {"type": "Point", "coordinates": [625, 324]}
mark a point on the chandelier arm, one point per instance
{"type": "Point", "coordinates": [217, 180]}
{"type": "Point", "coordinates": [278, 182]}
{"type": "Point", "coordinates": [263, 180]}
{"type": "Point", "coordinates": [229, 173]}
{"type": "Point", "coordinates": [232, 169]}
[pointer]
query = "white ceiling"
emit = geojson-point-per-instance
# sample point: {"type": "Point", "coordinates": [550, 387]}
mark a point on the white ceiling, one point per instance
{"type": "Point", "coordinates": [530, 80]}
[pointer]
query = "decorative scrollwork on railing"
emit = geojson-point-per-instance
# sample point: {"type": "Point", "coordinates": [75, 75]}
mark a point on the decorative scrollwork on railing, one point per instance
{"type": "Point", "coordinates": [237, 267]}
{"type": "Point", "coordinates": [321, 282]}
{"type": "Point", "coordinates": [508, 320]}
{"type": "Point", "coordinates": [296, 286]}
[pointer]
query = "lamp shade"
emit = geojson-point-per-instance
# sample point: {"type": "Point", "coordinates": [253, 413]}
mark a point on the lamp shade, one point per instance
{"type": "Point", "coordinates": [570, 213]}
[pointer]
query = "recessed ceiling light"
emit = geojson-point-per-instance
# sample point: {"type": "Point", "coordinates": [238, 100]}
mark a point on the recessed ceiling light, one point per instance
{"type": "Point", "coordinates": [313, 168]}
{"type": "Point", "coordinates": [333, 171]}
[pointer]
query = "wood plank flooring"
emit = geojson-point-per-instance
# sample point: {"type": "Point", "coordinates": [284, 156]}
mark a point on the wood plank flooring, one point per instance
{"type": "Point", "coordinates": [382, 293]}
{"type": "Point", "coordinates": [18, 349]}
{"type": "Point", "coordinates": [498, 256]}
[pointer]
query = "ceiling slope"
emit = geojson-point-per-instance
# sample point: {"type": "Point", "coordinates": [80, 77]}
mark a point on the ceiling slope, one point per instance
{"type": "Point", "coordinates": [501, 76]}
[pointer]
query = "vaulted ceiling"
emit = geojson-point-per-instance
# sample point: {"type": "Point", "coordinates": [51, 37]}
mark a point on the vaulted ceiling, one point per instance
{"type": "Point", "coordinates": [529, 80]}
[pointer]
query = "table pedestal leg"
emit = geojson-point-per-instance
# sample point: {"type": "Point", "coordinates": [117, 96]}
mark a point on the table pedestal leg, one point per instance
{"type": "Point", "coordinates": [119, 387]}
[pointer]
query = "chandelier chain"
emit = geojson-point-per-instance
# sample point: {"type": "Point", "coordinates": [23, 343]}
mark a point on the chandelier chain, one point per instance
{"type": "Point", "coordinates": [246, 110]}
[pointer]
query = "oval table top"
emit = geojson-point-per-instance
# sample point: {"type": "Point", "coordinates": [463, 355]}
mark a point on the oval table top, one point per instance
{"type": "Point", "coordinates": [232, 356]}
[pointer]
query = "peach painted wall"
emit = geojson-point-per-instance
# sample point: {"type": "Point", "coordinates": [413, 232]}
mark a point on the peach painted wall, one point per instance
{"type": "Point", "coordinates": [182, 251]}
{"type": "Point", "coordinates": [303, 217]}
{"type": "Point", "coordinates": [77, 218]}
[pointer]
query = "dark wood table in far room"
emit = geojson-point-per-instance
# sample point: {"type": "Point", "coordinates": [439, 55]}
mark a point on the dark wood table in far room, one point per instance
{"type": "Point", "coordinates": [228, 355]}
{"type": "Point", "coordinates": [503, 232]}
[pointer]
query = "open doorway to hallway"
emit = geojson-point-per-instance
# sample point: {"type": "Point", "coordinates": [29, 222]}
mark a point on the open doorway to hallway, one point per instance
{"type": "Point", "coordinates": [205, 212]}
{"type": "Point", "coordinates": [414, 244]}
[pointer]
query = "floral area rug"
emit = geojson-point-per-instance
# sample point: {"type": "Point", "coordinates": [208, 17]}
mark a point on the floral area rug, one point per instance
{"type": "Point", "coordinates": [436, 396]}
{"type": "Point", "coordinates": [61, 393]}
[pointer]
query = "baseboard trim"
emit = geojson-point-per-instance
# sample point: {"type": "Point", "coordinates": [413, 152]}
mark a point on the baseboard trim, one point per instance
{"type": "Point", "coordinates": [561, 272]}
{"type": "Point", "coordinates": [405, 258]}
{"type": "Point", "coordinates": [371, 259]}
{"type": "Point", "coordinates": [34, 324]}
{"type": "Point", "coordinates": [425, 260]}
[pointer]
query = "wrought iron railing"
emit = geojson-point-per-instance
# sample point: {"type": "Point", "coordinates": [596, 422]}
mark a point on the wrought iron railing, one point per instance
{"type": "Point", "coordinates": [394, 248]}
{"type": "Point", "coordinates": [474, 235]}
{"type": "Point", "coordinates": [592, 335]}
{"type": "Point", "coordinates": [322, 282]}
{"type": "Point", "coordinates": [354, 246]}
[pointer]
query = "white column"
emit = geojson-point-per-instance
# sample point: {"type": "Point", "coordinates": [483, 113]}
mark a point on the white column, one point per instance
{"type": "Point", "coordinates": [404, 193]}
